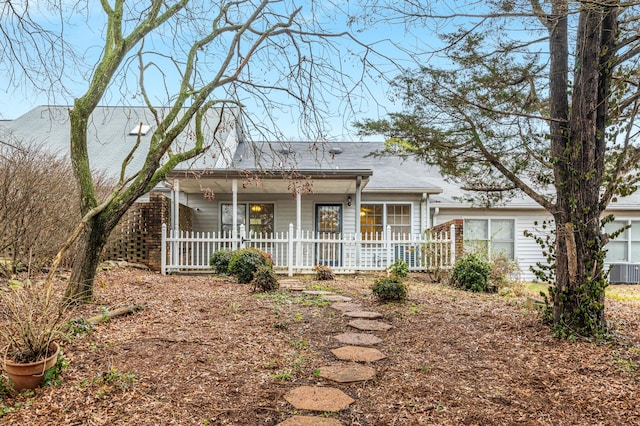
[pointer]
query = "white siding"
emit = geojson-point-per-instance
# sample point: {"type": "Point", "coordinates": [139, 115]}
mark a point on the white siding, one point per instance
{"type": "Point", "coordinates": [527, 251]}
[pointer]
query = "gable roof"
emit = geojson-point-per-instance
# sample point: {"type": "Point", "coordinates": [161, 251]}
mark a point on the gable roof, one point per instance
{"type": "Point", "coordinates": [388, 174]}
{"type": "Point", "coordinates": [112, 133]}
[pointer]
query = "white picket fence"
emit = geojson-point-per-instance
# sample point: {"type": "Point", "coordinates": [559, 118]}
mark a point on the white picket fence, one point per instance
{"type": "Point", "coordinates": [293, 253]}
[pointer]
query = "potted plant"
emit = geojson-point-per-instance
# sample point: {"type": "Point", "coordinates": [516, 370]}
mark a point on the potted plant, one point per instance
{"type": "Point", "coordinates": [31, 322]}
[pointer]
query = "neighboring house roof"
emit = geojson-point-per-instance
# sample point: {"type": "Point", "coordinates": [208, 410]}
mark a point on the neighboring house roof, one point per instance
{"type": "Point", "coordinates": [112, 133]}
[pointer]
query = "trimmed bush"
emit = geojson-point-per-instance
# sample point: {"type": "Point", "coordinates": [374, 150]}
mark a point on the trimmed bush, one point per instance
{"type": "Point", "coordinates": [245, 262]}
{"type": "Point", "coordinates": [389, 288]}
{"type": "Point", "coordinates": [399, 269]}
{"type": "Point", "coordinates": [323, 273]}
{"type": "Point", "coordinates": [220, 261]}
{"type": "Point", "coordinates": [472, 272]}
{"type": "Point", "coordinates": [265, 280]}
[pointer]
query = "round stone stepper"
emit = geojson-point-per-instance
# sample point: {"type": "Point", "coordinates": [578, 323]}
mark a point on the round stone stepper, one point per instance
{"type": "Point", "coordinates": [370, 325]}
{"type": "Point", "coordinates": [336, 298]}
{"type": "Point", "coordinates": [358, 353]}
{"type": "Point", "coordinates": [346, 306]}
{"type": "Point", "coordinates": [317, 292]}
{"type": "Point", "coordinates": [358, 339]}
{"type": "Point", "coordinates": [347, 373]}
{"type": "Point", "coordinates": [363, 314]}
{"type": "Point", "coordinates": [310, 421]}
{"type": "Point", "coordinates": [318, 398]}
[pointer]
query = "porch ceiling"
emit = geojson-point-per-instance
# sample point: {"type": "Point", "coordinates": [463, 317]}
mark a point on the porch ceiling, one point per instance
{"type": "Point", "coordinates": [262, 185]}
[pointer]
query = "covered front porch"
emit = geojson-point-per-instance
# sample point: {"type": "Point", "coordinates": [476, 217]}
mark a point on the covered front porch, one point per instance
{"type": "Point", "coordinates": [298, 252]}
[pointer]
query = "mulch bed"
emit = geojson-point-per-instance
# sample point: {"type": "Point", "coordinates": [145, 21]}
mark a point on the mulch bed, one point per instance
{"type": "Point", "coordinates": [205, 350]}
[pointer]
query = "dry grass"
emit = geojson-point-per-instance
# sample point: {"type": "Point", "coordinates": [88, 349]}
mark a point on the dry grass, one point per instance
{"type": "Point", "coordinates": [207, 351]}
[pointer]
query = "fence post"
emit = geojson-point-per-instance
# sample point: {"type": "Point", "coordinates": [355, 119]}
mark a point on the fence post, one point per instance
{"type": "Point", "coordinates": [290, 250]}
{"type": "Point", "coordinates": [243, 235]}
{"type": "Point", "coordinates": [389, 246]}
{"type": "Point", "coordinates": [452, 236]}
{"type": "Point", "coordinates": [163, 250]}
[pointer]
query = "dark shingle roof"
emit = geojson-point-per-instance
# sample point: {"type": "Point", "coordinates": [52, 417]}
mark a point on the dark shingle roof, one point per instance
{"type": "Point", "coordinates": [390, 174]}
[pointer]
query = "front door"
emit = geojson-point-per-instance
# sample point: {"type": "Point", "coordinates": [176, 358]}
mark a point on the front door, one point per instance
{"type": "Point", "coordinates": [329, 228]}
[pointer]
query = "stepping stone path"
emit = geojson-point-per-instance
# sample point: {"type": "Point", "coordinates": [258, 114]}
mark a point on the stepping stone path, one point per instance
{"type": "Point", "coordinates": [347, 373]}
{"type": "Point", "coordinates": [318, 398]}
{"type": "Point", "coordinates": [336, 298]}
{"type": "Point", "coordinates": [358, 339]}
{"type": "Point", "coordinates": [345, 306]}
{"type": "Point", "coordinates": [310, 421]}
{"type": "Point", "coordinates": [369, 325]}
{"type": "Point", "coordinates": [358, 353]}
{"type": "Point", "coordinates": [329, 399]}
{"type": "Point", "coordinates": [292, 285]}
{"type": "Point", "coordinates": [363, 314]}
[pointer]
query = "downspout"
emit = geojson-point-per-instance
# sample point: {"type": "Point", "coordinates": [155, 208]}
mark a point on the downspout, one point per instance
{"type": "Point", "coordinates": [424, 213]}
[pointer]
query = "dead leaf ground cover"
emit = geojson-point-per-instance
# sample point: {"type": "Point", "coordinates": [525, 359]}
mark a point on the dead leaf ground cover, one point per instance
{"type": "Point", "coordinates": [205, 350]}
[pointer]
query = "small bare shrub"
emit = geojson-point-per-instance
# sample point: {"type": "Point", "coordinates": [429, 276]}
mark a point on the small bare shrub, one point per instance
{"type": "Point", "coordinates": [264, 279]}
{"type": "Point", "coordinates": [323, 273]}
{"type": "Point", "coordinates": [33, 316]}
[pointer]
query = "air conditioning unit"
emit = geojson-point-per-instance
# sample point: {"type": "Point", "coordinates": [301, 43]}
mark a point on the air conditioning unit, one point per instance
{"type": "Point", "coordinates": [624, 273]}
{"type": "Point", "coordinates": [410, 254]}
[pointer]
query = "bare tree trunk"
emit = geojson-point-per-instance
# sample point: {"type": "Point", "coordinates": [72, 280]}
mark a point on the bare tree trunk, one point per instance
{"type": "Point", "coordinates": [90, 244]}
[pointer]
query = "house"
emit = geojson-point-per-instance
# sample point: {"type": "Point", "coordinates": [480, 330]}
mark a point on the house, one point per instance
{"type": "Point", "coordinates": [315, 202]}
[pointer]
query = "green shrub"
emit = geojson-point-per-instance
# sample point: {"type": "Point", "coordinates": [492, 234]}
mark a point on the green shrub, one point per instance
{"type": "Point", "coordinates": [264, 279]}
{"type": "Point", "coordinates": [220, 261]}
{"type": "Point", "coordinates": [399, 269]}
{"type": "Point", "coordinates": [323, 273]}
{"type": "Point", "coordinates": [472, 272]}
{"type": "Point", "coordinates": [389, 288]}
{"type": "Point", "coordinates": [5, 388]}
{"type": "Point", "coordinates": [245, 262]}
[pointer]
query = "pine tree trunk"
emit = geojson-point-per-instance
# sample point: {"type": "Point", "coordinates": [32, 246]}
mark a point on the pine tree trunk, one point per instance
{"type": "Point", "coordinates": [577, 149]}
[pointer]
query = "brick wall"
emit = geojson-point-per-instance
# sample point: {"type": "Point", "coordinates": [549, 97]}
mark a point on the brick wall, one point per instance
{"type": "Point", "coordinates": [138, 236]}
{"type": "Point", "coordinates": [459, 227]}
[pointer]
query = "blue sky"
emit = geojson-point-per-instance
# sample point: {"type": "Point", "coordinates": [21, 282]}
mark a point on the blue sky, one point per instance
{"type": "Point", "coordinates": [85, 32]}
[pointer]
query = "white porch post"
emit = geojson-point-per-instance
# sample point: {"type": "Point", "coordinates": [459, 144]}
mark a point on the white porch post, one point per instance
{"type": "Point", "coordinates": [290, 251]}
{"type": "Point", "coordinates": [298, 227]}
{"type": "Point", "coordinates": [424, 213]}
{"type": "Point", "coordinates": [175, 222]}
{"type": "Point", "coordinates": [234, 208]}
{"type": "Point", "coordinates": [163, 250]}
{"type": "Point", "coordinates": [389, 246]}
{"type": "Point", "coordinates": [358, 220]}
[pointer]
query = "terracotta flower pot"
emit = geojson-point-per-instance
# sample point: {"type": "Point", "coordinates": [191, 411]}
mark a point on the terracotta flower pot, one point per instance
{"type": "Point", "coordinates": [30, 375]}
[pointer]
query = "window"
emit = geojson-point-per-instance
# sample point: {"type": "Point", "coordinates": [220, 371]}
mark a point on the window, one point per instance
{"type": "Point", "coordinates": [626, 246]}
{"type": "Point", "coordinates": [496, 235]}
{"type": "Point", "coordinates": [260, 216]}
{"type": "Point", "coordinates": [374, 218]}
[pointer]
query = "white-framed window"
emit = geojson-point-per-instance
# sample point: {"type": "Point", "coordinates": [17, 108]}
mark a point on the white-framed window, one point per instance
{"type": "Point", "coordinates": [626, 246]}
{"type": "Point", "coordinates": [491, 236]}
{"type": "Point", "coordinates": [375, 217]}
{"type": "Point", "coordinates": [260, 217]}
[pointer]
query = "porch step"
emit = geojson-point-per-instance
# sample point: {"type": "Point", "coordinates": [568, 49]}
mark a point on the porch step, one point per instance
{"type": "Point", "coordinates": [292, 285]}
